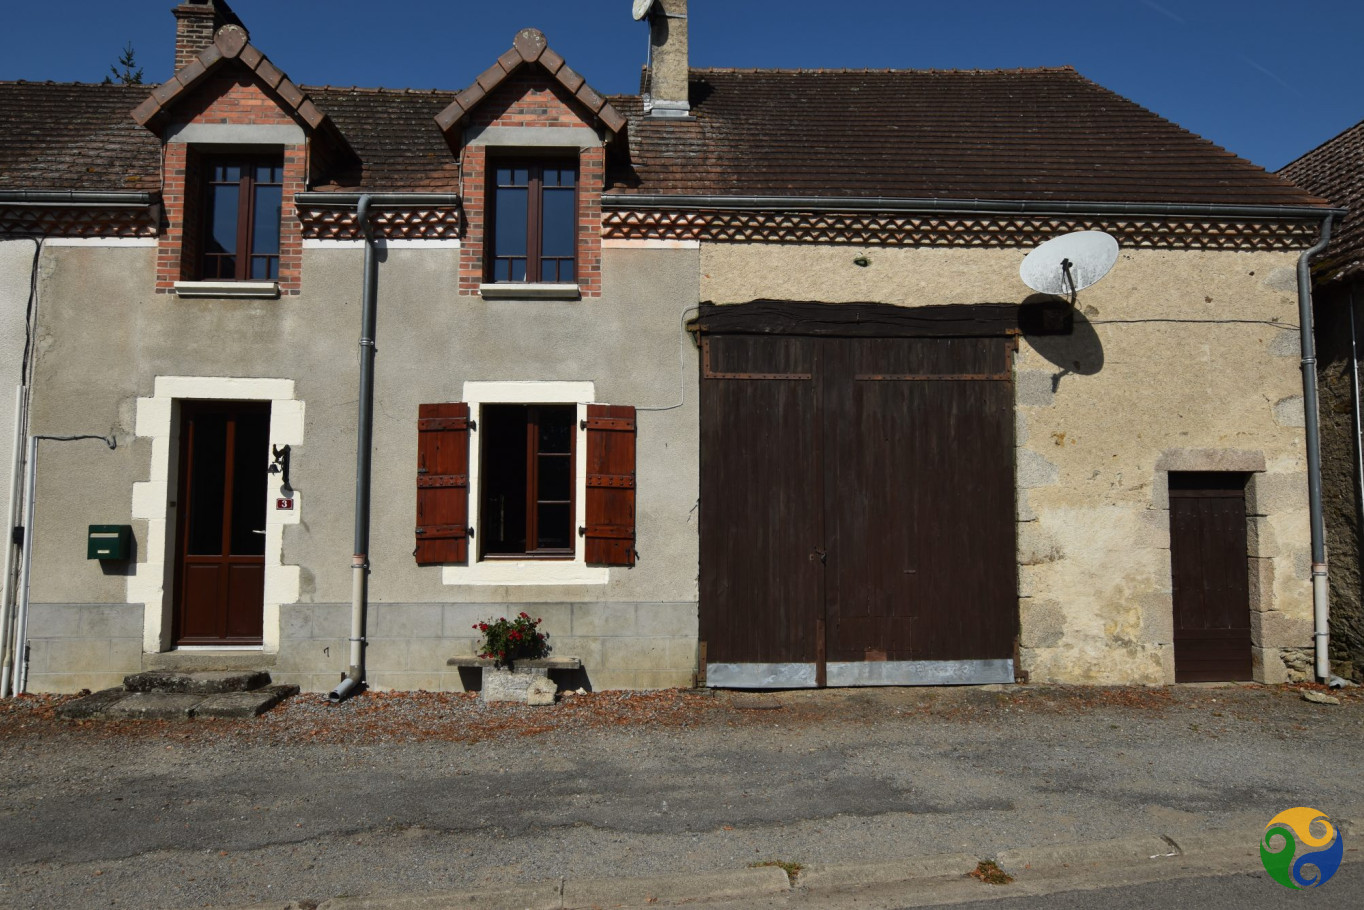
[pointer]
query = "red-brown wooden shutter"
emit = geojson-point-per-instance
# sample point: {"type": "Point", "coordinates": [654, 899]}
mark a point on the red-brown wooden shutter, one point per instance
{"type": "Point", "coordinates": [442, 483]}
{"type": "Point", "coordinates": [610, 532]}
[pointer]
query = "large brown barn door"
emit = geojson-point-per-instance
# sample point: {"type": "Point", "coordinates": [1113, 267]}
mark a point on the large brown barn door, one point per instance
{"type": "Point", "coordinates": [220, 572]}
{"type": "Point", "coordinates": [857, 509]}
{"type": "Point", "coordinates": [919, 499]}
{"type": "Point", "coordinates": [761, 533]}
{"type": "Point", "coordinates": [1208, 551]}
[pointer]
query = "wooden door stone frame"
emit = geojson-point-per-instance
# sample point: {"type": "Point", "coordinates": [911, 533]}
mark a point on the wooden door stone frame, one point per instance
{"type": "Point", "coordinates": [151, 584]}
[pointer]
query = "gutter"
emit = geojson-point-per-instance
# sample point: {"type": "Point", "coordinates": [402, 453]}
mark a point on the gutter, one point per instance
{"type": "Point", "coordinates": [377, 200]}
{"type": "Point", "coordinates": [364, 435]}
{"type": "Point", "coordinates": [1320, 607]}
{"type": "Point", "coordinates": [77, 199]}
{"type": "Point", "coordinates": [971, 206]}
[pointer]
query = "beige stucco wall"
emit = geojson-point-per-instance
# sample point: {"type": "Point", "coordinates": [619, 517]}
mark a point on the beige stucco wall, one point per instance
{"type": "Point", "coordinates": [1179, 361]}
{"type": "Point", "coordinates": [106, 337]}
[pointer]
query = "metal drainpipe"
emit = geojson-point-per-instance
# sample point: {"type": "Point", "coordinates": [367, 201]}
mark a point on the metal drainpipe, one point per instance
{"type": "Point", "coordinates": [364, 434]}
{"type": "Point", "coordinates": [364, 443]}
{"type": "Point", "coordinates": [1320, 609]}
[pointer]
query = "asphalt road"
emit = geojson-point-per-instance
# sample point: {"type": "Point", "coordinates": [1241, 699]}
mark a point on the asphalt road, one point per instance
{"type": "Point", "coordinates": [1247, 891]}
{"type": "Point", "coordinates": [89, 818]}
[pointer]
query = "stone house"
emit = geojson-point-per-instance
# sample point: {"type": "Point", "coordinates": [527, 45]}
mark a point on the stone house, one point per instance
{"type": "Point", "coordinates": [1334, 170]}
{"type": "Point", "coordinates": [732, 382]}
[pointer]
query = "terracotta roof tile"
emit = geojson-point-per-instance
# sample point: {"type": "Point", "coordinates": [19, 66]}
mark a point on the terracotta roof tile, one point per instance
{"type": "Point", "coordinates": [1335, 170]}
{"type": "Point", "coordinates": [74, 136]}
{"type": "Point", "coordinates": [1009, 135]}
{"type": "Point", "coordinates": [1039, 134]}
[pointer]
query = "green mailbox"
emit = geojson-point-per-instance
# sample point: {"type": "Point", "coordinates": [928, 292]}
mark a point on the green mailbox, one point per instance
{"type": "Point", "coordinates": [109, 542]}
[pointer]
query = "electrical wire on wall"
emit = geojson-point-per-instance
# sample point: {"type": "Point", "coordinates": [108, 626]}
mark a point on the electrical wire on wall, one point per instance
{"type": "Point", "coordinates": [681, 363]}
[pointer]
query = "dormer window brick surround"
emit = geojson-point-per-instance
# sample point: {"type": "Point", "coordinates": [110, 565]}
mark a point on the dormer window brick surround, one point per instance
{"type": "Point", "coordinates": [230, 103]}
{"type": "Point", "coordinates": [224, 102]}
{"type": "Point", "coordinates": [532, 111]}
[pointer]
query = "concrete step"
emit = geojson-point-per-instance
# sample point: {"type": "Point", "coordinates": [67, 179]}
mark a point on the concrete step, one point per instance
{"type": "Point", "coordinates": [121, 704]}
{"type": "Point", "coordinates": [207, 682]}
{"type": "Point", "coordinates": [199, 661]}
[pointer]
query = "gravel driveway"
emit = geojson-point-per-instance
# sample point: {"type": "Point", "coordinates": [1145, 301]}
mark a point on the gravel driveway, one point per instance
{"type": "Point", "coordinates": [390, 794]}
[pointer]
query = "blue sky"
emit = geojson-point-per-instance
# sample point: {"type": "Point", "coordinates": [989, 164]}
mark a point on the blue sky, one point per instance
{"type": "Point", "coordinates": [1267, 80]}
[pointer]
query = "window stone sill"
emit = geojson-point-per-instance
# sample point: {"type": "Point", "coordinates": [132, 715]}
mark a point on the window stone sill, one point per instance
{"type": "Point", "coordinates": [259, 289]}
{"type": "Point", "coordinates": [528, 291]}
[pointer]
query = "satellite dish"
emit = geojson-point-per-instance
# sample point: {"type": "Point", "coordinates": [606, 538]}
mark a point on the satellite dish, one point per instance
{"type": "Point", "coordinates": [1069, 263]}
{"type": "Point", "coordinates": [642, 8]}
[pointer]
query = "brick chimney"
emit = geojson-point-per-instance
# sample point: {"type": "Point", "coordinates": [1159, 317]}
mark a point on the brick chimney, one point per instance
{"type": "Point", "coordinates": [669, 63]}
{"type": "Point", "coordinates": [196, 22]}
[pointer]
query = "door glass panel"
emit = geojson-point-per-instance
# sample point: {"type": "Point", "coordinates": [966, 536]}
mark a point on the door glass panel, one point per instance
{"type": "Point", "coordinates": [250, 460]}
{"type": "Point", "coordinates": [208, 441]}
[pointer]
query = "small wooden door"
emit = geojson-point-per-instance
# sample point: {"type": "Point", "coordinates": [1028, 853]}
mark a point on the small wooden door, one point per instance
{"type": "Point", "coordinates": [220, 567]}
{"type": "Point", "coordinates": [1210, 576]}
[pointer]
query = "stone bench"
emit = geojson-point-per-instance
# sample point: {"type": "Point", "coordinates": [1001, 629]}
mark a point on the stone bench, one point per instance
{"type": "Point", "coordinates": [518, 684]}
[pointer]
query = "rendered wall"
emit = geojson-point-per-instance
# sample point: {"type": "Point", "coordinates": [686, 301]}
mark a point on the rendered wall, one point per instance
{"type": "Point", "coordinates": [106, 336]}
{"type": "Point", "coordinates": [1179, 361]}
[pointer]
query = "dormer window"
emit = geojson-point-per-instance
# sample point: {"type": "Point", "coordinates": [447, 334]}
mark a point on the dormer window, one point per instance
{"type": "Point", "coordinates": [534, 216]}
{"type": "Point", "coordinates": [243, 202]}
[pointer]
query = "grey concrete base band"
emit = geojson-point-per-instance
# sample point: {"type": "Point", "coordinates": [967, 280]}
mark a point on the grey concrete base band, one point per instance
{"type": "Point", "coordinates": [861, 673]}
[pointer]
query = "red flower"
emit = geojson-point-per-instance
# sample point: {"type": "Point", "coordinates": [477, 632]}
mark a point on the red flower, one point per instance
{"type": "Point", "coordinates": [525, 615]}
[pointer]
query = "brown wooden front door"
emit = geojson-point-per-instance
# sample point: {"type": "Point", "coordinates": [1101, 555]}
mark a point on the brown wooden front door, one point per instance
{"type": "Point", "coordinates": [857, 510]}
{"type": "Point", "coordinates": [220, 567]}
{"type": "Point", "coordinates": [1211, 584]}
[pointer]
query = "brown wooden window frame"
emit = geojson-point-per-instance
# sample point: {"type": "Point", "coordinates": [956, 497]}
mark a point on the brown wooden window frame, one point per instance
{"type": "Point", "coordinates": [246, 214]}
{"type": "Point", "coordinates": [534, 217]}
{"type": "Point", "coordinates": [534, 414]}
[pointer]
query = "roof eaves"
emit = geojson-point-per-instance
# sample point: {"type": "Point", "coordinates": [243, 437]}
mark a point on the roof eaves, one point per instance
{"type": "Point", "coordinates": [530, 46]}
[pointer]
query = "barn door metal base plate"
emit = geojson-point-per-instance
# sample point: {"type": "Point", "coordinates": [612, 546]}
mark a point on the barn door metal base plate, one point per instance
{"type": "Point", "coordinates": [861, 673]}
{"type": "Point", "coordinates": [760, 676]}
{"type": "Point", "coordinates": [921, 672]}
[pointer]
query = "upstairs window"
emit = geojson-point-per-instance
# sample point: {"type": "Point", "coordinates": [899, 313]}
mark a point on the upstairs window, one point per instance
{"type": "Point", "coordinates": [243, 203]}
{"type": "Point", "coordinates": [534, 222]}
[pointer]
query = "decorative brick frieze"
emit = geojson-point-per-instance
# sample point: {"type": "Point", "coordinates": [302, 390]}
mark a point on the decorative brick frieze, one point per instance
{"type": "Point", "coordinates": [863, 228]}
{"type": "Point", "coordinates": [412, 224]}
{"type": "Point", "coordinates": [74, 222]}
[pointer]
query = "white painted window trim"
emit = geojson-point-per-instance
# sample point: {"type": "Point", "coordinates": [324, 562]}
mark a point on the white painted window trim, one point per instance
{"type": "Point", "coordinates": [529, 571]}
{"type": "Point", "coordinates": [220, 289]}
{"type": "Point", "coordinates": [151, 583]}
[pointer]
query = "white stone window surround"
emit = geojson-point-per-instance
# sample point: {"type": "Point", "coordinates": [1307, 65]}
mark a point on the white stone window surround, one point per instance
{"type": "Point", "coordinates": [573, 571]}
{"type": "Point", "coordinates": [152, 582]}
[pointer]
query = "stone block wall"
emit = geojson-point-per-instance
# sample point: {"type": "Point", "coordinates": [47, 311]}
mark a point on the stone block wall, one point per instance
{"type": "Point", "coordinates": [82, 646]}
{"type": "Point", "coordinates": [621, 645]}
